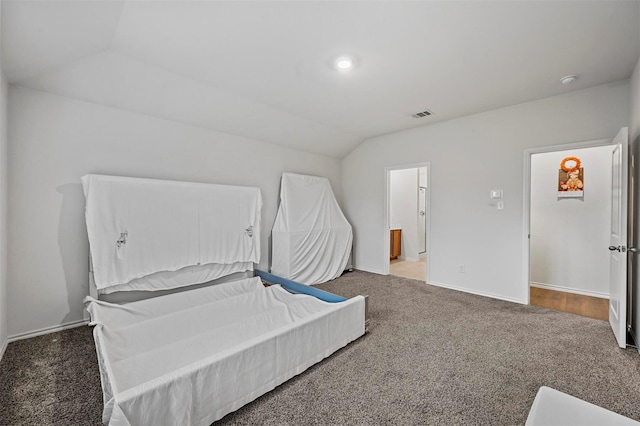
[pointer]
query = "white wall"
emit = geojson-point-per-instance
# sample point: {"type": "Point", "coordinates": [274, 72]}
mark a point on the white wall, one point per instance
{"type": "Point", "coordinates": [422, 179]}
{"type": "Point", "coordinates": [634, 138]}
{"type": "Point", "coordinates": [470, 156]}
{"type": "Point", "coordinates": [403, 209]}
{"type": "Point", "coordinates": [53, 141]}
{"type": "Point", "coordinates": [570, 236]}
{"type": "Point", "coordinates": [3, 213]}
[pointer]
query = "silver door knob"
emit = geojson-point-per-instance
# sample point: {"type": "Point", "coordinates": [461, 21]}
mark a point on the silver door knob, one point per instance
{"type": "Point", "coordinates": [421, 213]}
{"type": "Point", "coordinates": [621, 249]}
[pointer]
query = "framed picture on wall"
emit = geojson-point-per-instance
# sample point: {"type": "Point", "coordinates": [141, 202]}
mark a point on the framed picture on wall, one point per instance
{"type": "Point", "coordinates": [570, 178]}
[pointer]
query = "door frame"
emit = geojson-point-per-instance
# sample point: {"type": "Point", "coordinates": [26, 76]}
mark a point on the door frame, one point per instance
{"type": "Point", "coordinates": [526, 222]}
{"type": "Point", "coordinates": [387, 211]}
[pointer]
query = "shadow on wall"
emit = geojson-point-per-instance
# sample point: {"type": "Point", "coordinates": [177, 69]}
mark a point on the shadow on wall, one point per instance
{"type": "Point", "coordinates": [539, 259]}
{"type": "Point", "coordinates": [73, 243]}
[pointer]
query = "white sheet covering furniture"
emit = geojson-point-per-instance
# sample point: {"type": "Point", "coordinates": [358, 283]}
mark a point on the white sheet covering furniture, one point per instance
{"type": "Point", "coordinates": [311, 238]}
{"type": "Point", "coordinates": [140, 227]}
{"type": "Point", "coordinates": [554, 408]}
{"type": "Point", "coordinates": [194, 356]}
{"type": "Point", "coordinates": [191, 357]}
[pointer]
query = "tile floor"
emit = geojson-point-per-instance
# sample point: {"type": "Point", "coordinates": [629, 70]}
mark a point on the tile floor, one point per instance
{"type": "Point", "coordinates": [408, 269]}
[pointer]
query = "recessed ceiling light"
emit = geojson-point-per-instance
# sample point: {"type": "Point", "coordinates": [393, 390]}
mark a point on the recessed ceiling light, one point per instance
{"type": "Point", "coordinates": [344, 63]}
{"type": "Point", "coordinates": [568, 79]}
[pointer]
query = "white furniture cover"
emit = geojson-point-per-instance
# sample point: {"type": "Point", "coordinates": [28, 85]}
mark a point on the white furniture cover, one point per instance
{"type": "Point", "coordinates": [555, 408]}
{"type": "Point", "coordinates": [311, 238]}
{"type": "Point", "coordinates": [140, 228]}
{"type": "Point", "coordinates": [194, 356]}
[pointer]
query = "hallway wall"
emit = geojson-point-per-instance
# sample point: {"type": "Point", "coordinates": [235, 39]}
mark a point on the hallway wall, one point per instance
{"type": "Point", "coordinates": [570, 236]}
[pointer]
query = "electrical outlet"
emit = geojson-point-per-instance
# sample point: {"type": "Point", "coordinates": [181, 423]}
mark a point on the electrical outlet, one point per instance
{"type": "Point", "coordinates": [461, 269]}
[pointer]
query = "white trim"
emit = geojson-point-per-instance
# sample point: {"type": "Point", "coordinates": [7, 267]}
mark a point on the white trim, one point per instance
{"type": "Point", "coordinates": [477, 293]}
{"type": "Point", "coordinates": [387, 225]}
{"type": "Point", "coordinates": [47, 330]}
{"type": "Point", "coordinates": [526, 227]}
{"type": "Point", "coordinates": [526, 201]}
{"type": "Point", "coordinates": [570, 290]}
{"type": "Point", "coordinates": [3, 349]}
{"type": "Point", "coordinates": [371, 271]}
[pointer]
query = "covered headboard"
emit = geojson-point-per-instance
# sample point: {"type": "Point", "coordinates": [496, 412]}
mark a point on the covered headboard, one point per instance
{"type": "Point", "coordinates": [149, 234]}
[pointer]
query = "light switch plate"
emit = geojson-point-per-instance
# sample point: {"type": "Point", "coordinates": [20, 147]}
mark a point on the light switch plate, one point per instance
{"type": "Point", "coordinates": [496, 193]}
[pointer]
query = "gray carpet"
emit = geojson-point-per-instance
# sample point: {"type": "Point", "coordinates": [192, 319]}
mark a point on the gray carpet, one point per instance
{"type": "Point", "coordinates": [51, 380]}
{"type": "Point", "coordinates": [431, 356]}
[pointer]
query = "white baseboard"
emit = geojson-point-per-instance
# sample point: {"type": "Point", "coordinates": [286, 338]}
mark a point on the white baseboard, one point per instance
{"type": "Point", "coordinates": [371, 271]}
{"type": "Point", "coordinates": [47, 330]}
{"type": "Point", "coordinates": [569, 290]}
{"type": "Point", "coordinates": [464, 290]}
{"type": "Point", "coordinates": [477, 293]}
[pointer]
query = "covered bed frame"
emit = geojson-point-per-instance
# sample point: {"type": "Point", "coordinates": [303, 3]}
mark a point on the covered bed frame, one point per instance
{"type": "Point", "coordinates": [199, 352]}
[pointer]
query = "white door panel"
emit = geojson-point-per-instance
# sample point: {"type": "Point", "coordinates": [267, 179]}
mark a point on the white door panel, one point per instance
{"type": "Point", "coordinates": [618, 238]}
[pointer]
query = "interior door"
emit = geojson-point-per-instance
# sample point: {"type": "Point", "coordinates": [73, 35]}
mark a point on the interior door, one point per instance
{"type": "Point", "coordinates": [618, 238]}
{"type": "Point", "coordinates": [422, 219]}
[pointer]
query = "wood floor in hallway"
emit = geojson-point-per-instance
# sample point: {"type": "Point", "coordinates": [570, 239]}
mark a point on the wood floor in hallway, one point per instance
{"type": "Point", "coordinates": [586, 306]}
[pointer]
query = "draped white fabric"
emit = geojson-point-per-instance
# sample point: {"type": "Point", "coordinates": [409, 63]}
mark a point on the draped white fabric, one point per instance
{"type": "Point", "coordinates": [139, 227]}
{"type": "Point", "coordinates": [194, 356]}
{"type": "Point", "coordinates": [311, 238]}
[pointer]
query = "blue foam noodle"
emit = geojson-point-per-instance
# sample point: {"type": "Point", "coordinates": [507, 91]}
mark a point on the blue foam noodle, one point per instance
{"type": "Point", "coordinates": [298, 288]}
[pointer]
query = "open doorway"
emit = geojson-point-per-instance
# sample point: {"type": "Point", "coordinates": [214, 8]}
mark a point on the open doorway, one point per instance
{"type": "Point", "coordinates": [569, 228]}
{"type": "Point", "coordinates": [407, 219]}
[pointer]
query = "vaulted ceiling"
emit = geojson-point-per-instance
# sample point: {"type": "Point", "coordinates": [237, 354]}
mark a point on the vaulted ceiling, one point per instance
{"type": "Point", "coordinates": [264, 69]}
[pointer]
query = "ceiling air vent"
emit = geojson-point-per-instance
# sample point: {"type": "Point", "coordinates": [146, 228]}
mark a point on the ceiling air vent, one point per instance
{"type": "Point", "coordinates": [424, 113]}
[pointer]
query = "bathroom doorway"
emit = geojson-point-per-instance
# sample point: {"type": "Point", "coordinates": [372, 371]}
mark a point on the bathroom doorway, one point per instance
{"type": "Point", "coordinates": [407, 218]}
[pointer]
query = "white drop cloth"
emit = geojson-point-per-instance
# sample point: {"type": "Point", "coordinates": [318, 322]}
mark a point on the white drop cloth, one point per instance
{"type": "Point", "coordinates": [554, 408]}
{"type": "Point", "coordinates": [311, 238]}
{"type": "Point", "coordinates": [138, 227]}
{"type": "Point", "coordinates": [182, 277]}
{"type": "Point", "coordinates": [192, 357]}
